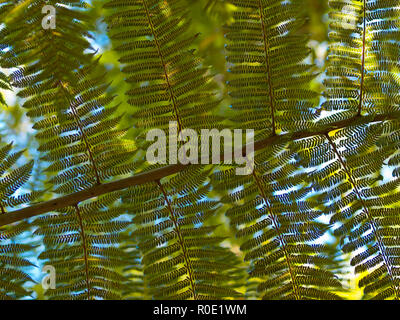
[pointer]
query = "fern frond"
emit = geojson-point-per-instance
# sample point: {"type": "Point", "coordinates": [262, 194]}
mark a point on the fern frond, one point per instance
{"type": "Point", "coordinates": [13, 252]}
{"type": "Point", "coordinates": [361, 81]}
{"type": "Point", "coordinates": [269, 80]}
{"type": "Point", "coordinates": [182, 257]}
{"type": "Point", "coordinates": [348, 179]}
{"type": "Point", "coordinates": [4, 85]}
{"type": "Point", "coordinates": [278, 228]}
{"type": "Point", "coordinates": [66, 98]}
{"type": "Point", "coordinates": [168, 82]}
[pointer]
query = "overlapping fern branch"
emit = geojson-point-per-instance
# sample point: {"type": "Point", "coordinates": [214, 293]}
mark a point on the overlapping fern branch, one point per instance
{"type": "Point", "coordinates": [12, 248]}
{"type": "Point", "coordinates": [349, 164]}
{"type": "Point", "coordinates": [270, 92]}
{"type": "Point", "coordinates": [65, 97]}
{"type": "Point", "coordinates": [182, 258]}
{"type": "Point", "coordinates": [270, 77]}
{"type": "Point", "coordinates": [363, 52]}
{"type": "Point", "coordinates": [83, 243]}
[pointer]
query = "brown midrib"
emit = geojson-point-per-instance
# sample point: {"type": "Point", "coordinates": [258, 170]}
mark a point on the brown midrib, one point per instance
{"type": "Point", "coordinates": [159, 173]}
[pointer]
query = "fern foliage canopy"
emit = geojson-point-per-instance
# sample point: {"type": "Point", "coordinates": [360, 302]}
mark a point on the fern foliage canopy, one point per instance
{"type": "Point", "coordinates": [317, 216]}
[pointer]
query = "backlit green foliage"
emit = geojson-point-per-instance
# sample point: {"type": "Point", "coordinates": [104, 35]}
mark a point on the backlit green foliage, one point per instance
{"type": "Point", "coordinates": [320, 206]}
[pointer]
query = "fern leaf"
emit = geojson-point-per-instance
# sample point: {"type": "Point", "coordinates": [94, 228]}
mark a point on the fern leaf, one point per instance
{"type": "Point", "coordinates": [269, 78]}
{"type": "Point", "coordinates": [360, 74]}
{"type": "Point", "coordinates": [168, 82]}
{"type": "Point", "coordinates": [182, 257]}
{"type": "Point", "coordinates": [85, 252]}
{"type": "Point", "coordinates": [278, 229]}
{"type": "Point", "coordinates": [13, 252]}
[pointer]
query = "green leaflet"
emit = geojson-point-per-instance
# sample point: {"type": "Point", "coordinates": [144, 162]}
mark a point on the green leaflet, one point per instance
{"type": "Point", "coordinates": [362, 58]}
{"type": "Point", "coordinates": [4, 85]}
{"type": "Point", "coordinates": [269, 76]}
{"type": "Point", "coordinates": [167, 81]}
